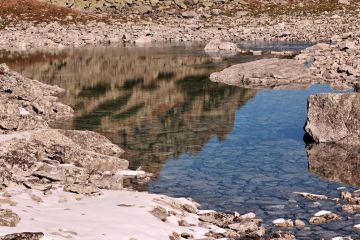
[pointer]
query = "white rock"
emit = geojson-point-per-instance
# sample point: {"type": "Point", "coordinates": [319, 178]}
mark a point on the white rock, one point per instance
{"type": "Point", "coordinates": [278, 221]}
{"type": "Point", "coordinates": [321, 213]}
{"type": "Point", "coordinates": [357, 226]}
{"type": "Point", "coordinates": [249, 215]}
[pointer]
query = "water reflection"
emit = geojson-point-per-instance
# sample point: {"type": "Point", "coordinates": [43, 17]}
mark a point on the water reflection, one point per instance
{"type": "Point", "coordinates": [337, 163]}
{"type": "Point", "coordinates": [155, 103]}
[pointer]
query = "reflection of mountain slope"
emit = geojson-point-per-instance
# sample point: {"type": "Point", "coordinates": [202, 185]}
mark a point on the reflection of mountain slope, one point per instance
{"type": "Point", "coordinates": [155, 105]}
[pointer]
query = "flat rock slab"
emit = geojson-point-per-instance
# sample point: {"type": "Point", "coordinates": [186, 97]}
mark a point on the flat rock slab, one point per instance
{"type": "Point", "coordinates": [334, 118]}
{"type": "Point", "coordinates": [265, 73]}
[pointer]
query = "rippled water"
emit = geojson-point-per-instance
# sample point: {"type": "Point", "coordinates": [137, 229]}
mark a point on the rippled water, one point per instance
{"type": "Point", "coordinates": [229, 148]}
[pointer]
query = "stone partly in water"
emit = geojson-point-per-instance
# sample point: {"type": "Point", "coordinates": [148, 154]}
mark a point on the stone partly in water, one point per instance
{"type": "Point", "coordinates": [323, 216]}
{"type": "Point", "coordinates": [265, 73]}
{"type": "Point", "coordinates": [334, 118]}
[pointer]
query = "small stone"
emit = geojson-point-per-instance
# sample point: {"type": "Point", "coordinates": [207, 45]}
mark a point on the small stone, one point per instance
{"type": "Point", "coordinates": [322, 213]}
{"type": "Point", "coordinates": [189, 208]}
{"type": "Point", "coordinates": [244, 227]}
{"type": "Point", "coordinates": [311, 196]}
{"type": "Point", "coordinates": [175, 236]}
{"type": "Point", "coordinates": [281, 222]}
{"type": "Point", "coordinates": [23, 236]}
{"type": "Point", "coordinates": [299, 223]}
{"type": "Point", "coordinates": [81, 189]}
{"type": "Point", "coordinates": [246, 216]}
{"type": "Point", "coordinates": [160, 213]}
{"type": "Point", "coordinates": [4, 68]}
{"type": "Point", "coordinates": [189, 14]}
{"type": "Point", "coordinates": [8, 218]}
{"type": "Point", "coordinates": [183, 223]}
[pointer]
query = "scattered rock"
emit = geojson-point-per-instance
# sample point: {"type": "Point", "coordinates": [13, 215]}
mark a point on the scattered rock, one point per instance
{"type": "Point", "coordinates": [81, 189]}
{"type": "Point", "coordinates": [281, 222]}
{"type": "Point", "coordinates": [160, 213]}
{"type": "Point", "coordinates": [323, 216]}
{"type": "Point", "coordinates": [311, 196]}
{"type": "Point", "coordinates": [23, 236]}
{"type": "Point", "coordinates": [8, 218]}
{"type": "Point", "coordinates": [299, 223]}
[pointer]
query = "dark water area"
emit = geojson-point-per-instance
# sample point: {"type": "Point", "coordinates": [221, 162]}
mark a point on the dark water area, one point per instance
{"type": "Point", "coordinates": [229, 148]}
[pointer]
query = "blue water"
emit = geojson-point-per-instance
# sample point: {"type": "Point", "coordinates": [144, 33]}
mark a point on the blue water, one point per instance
{"type": "Point", "coordinates": [228, 148]}
{"type": "Point", "coordinates": [258, 165]}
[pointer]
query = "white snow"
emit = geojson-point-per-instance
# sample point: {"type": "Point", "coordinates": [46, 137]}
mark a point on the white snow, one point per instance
{"type": "Point", "coordinates": [114, 215]}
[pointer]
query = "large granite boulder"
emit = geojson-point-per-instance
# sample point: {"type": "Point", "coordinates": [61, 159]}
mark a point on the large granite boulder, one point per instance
{"type": "Point", "coordinates": [51, 156]}
{"type": "Point", "coordinates": [27, 104]}
{"type": "Point", "coordinates": [334, 118]}
{"type": "Point", "coordinates": [265, 73]}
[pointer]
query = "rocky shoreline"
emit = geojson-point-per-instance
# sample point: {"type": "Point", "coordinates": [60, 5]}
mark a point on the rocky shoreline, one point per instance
{"type": "Point", "coordinates": [46, 171]}
{"type": "Point", "coordinates": [57, 169]}
{"type": "Point", "coordinates": [19, 35]}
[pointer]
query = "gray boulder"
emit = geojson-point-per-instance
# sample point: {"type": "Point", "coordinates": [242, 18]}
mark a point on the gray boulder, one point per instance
{"type": "Point", "coordinates": [334, 118]}
{"type": "Point", "coordinates": [265, 73]}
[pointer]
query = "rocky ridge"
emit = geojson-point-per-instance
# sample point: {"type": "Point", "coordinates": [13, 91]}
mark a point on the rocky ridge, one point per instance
{"type": "Point", "coordinates": [21, 35]}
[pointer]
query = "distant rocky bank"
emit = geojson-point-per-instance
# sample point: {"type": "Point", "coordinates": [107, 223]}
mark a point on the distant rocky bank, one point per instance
{"type": "Point", "coordinates": [198, 22]}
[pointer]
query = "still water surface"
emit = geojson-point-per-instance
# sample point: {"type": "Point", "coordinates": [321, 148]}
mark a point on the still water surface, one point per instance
{"type": "Point", "coordinates": [229, 148]}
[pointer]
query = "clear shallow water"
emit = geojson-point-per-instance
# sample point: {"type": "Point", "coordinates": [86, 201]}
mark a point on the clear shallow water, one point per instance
{"type": "Point", "coordinates": [229, 148]}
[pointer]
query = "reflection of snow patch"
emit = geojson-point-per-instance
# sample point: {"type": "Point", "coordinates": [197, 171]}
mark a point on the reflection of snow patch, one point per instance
{"type": "Point", "coordinates": [23, 111]}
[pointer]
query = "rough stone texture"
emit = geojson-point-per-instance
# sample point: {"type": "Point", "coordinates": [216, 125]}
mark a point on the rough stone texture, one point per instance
{"type": "Point", "coordinates": [334, 118]}
{"type": "Point", "coordinates": [23, 236]}
{"type": "Point", "coordinates": [264, 73]}
{"type": "Point", "coordinates": [321, 218]}
{"type": "Point", "coordinates": [8, 218]}
{"type": "Point", "coordinates": [50, 154]}
{"type": "Point", "coordinates": [27, 104]}
{"type": "Point", "coordinates": [337, 62]}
